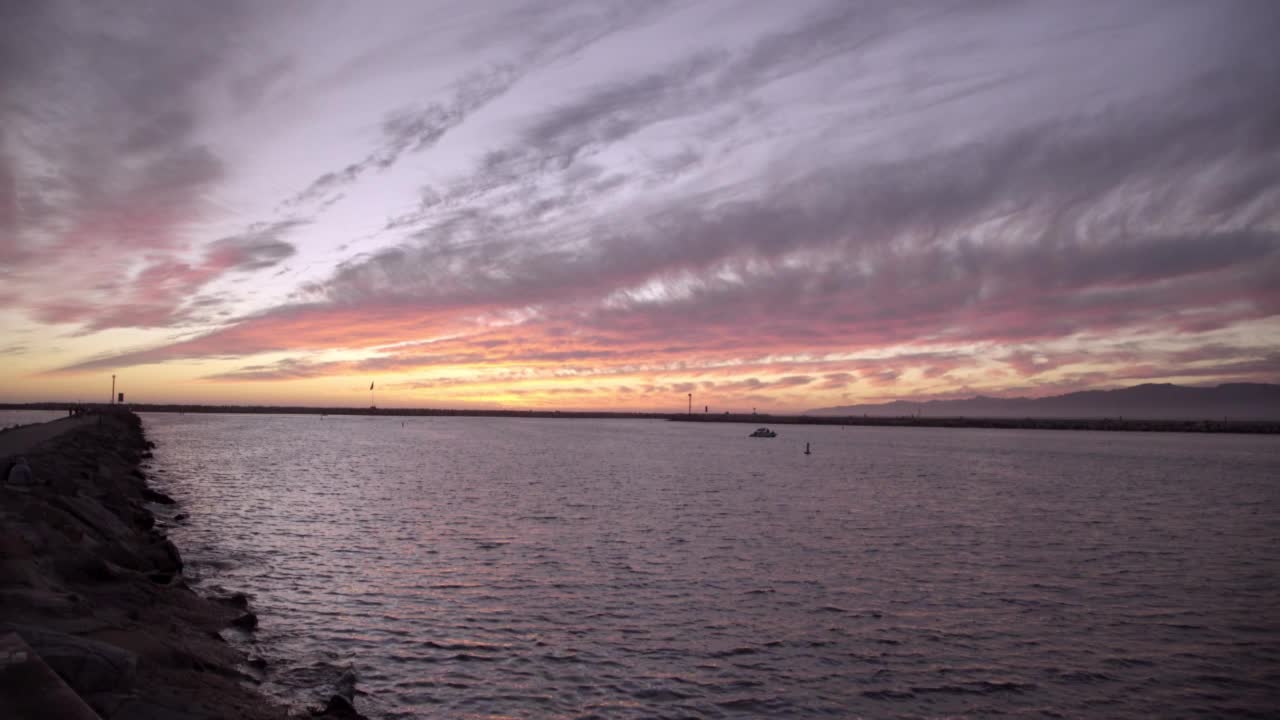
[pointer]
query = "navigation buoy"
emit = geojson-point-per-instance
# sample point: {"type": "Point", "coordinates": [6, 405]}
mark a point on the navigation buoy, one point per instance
{"type": "Point", "coordinates": [806, 449]}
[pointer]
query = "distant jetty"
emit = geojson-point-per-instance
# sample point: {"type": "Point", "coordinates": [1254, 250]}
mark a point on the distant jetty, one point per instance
{"type": "Point", "coordinates": [308, 410]}
{"type": "Point", "coordinates": [1148, 401]}
{"type": "Point", "coordinates": [1118, 424]}
{"type": "Point", "coordinates": [1105, 424]}
{"type": "Point", "coordinates": [97, 618]}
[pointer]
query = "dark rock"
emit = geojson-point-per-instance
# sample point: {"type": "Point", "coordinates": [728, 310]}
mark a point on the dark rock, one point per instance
{"type": "Point", "coordinates": [86, 665]}
{"type": "Point", "coordinates": [127, 559]}
{"type": "Point", "coordinates": [346, 685]}
{"type": "Point", "coordinates": [156, 496]}
{"type": "Point", "coordinates": [159, 554]}
{"type": "Point", "coordinates": [31, 689]}
{"type": "Point", "coordinates": [104, 523]}
{"type": "Point", "coordinates": [85, 569]}
{"type": "Point", "coordinates": [109, 704]}
{"type": "Point", "coordinates": [143, 519]}
{"type": "Point", "coordinates": [180, 517]}
{"type": "Point", "coordinates": [171, 552]}
{"type": "Point", "coordinates": [247, 621]}
{"type": "Point", "coordinates": [236, 600]}
{"type": "Point", "coordinates": [342, 703]}
{"type": "Point", "coordinates": [339, 707]}
{"type": "Point", "coordinates": [12, 598]}
{"type": "Point", "coordinates": [106, 473]}
{"type": "Point", "coordinates": [82, 556]}
{"type": "Point", "coordinates": [160, 578]}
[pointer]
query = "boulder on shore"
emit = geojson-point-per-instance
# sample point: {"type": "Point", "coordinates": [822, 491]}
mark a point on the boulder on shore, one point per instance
{"type": "Point", "coordinates": [95, 589]}
{"type": "Point", "coordinates": [86, 665]}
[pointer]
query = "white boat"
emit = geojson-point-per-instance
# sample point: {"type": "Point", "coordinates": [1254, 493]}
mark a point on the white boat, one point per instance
{"type": "Point", "coordinates": [763, 432]}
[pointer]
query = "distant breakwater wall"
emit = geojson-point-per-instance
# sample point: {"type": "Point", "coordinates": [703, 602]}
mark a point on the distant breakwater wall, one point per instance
{"type": "Point", "coordinates": [395, 412]}
{"type": "Point", "coordinates": [91, 583]}
{"type": "Point", "coordinates": [1117, 424]}
{"type": "Point", "coordinates": [1104, 424]}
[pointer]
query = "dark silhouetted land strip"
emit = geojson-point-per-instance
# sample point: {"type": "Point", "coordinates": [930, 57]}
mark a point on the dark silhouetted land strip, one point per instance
{"type": "Point", "coordinates": [1106, 424]}
{"type": "Point", "coordinates": [1120, 424]}
{"type": "Point", "coordinates": [1148, 401]}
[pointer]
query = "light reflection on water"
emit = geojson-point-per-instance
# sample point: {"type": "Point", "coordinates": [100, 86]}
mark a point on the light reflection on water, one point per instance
{"type": "Point", "coordinates": [483, 567]}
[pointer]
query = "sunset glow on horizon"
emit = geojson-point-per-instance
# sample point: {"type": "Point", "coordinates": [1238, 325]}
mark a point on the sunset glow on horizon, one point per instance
{"type": "Point", "coordinates": [613, 205]}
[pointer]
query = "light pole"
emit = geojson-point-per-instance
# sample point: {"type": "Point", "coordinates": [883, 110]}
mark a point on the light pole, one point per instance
{"type": "Point", "coordinates": [113, 389]}
{"type": "Point", "coordinates": [690, 403]}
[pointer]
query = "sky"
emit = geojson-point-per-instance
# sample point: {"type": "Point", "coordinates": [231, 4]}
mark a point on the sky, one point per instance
{"type": "Point", "coordinates": [615, 204]}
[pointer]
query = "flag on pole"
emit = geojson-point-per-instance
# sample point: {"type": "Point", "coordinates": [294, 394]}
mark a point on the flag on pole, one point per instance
{"type": "Point", "coordinates": [370, 386]}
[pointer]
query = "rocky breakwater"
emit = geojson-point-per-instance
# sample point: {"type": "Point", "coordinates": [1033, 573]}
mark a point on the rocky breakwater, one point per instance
{"type": "Point", "coordinates": [93, 586]}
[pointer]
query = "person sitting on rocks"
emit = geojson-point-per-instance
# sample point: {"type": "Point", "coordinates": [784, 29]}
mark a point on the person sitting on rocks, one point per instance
{"type": "Point", "coordinates": [20, 473]}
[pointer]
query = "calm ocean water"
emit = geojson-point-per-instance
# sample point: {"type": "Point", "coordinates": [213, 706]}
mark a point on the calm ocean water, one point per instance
{"type": "Point", "coordinates": [482, 568]}
{"type": "Point", "coordinates": [11, 418]}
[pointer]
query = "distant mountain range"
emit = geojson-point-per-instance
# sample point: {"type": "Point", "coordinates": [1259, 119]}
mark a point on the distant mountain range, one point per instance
{"type": "Point", "coordinates": [1237, 401]}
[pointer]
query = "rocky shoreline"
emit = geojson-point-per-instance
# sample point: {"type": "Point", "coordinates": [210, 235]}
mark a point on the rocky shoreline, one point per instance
{"type": "Point", "coordinates": [90, 582]}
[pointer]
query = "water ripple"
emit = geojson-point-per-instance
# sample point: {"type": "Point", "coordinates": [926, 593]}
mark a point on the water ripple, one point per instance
{"type": "Point", "coordinates": [470, 567]}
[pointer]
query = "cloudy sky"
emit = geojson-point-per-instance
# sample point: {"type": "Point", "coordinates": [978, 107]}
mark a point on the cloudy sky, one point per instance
{"type": "Point", "coordinates": [613, 204]}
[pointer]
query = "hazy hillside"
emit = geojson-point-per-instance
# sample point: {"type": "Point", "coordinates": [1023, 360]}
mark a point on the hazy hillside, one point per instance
{"type": "Point", "coordinates": [1238, 401]}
